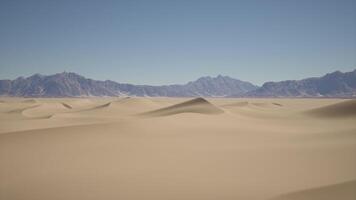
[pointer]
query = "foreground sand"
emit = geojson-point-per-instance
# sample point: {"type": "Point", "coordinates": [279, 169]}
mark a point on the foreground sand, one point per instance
{"type": "Point", "coordinates": [165, 148]}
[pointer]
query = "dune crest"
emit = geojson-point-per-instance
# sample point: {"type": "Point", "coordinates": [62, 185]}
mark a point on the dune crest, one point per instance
{"type": "Point", "coordinates": [97, 107]}
{"type": "Point", "coordinates": [67, 105]}
{"type": "Point", "coordinates": [237, 104]}
{"type": "Point", "coordinates": [345, 191]}
{"type": "Point", "coordinates": [45, 110]}
{"type": "Point", "coordinates": [131, 101]}
{"type": "Point", "coordinates": [342, 109]}
{"type": "Point", "coordinates": [253, 104]}
{"type": "Point", "coordinates": [102, 106]}
{"type": "Point", "coordinates": [197, 105]}
{"type": "Point", "coordinates": [21, 110]}
{"type": "Point", "coordinates": [277, 104]}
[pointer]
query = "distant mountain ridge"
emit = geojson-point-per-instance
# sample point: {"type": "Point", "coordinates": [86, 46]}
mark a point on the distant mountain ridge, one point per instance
{"type": "Point", "coordinates": [336, 84]}
{"type": "Point", "coordinates": [73, 85]}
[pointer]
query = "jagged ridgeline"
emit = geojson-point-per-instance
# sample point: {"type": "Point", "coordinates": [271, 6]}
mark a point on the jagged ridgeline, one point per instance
{"type": "Point", "coordinates": [73, 85]}
{"type": "Point", "coordinates": [336, 84]}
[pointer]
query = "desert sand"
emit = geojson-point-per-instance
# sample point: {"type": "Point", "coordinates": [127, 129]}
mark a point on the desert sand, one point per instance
{"type": "Point", "coordinates": [177, 148]}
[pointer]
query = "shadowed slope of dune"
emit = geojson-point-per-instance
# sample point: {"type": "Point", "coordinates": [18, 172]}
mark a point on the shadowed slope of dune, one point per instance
{"type": "Point", "coordinates": [237, 104]}
{"type": "Point", "coordinates": [67, 105]}
{"type": "Point", "coordinates": [139, 104]}
{"type": "Point", "coordinates": [342, 109]}
{"type": "Point", "coordinates": [95, 107]}
{"type": "Point", "coordinates": [262, 105]}
{"type": "Point", "coordinates": [131, 101]}
{"type": "Point", "coordinates": [26, 113]}
{"type": "Point", "coordinates": [40, 117]}
{"type": "Point", "coordinates": [45, 110]}
{"type": "Point", "coordinates": [80, 103]}
{"type": "Point", "coordinates": [277, 104]}
{"type": "Point", "coordinates": [125, 102]}
{"type": "Point", "coordinates": [16, 113]}
{"type": "Point", "coordinates": [101, 106]}
{"type": "Point", "coordinates": [255, 109]}
{"type": "Point", "coordinates": [253, 104]}
{"type": "Point", "coordinates": [20, 110]}
{"type": "Point", "coordinates": [267, 105]}
{"type": "Point", "coordinates": [197, 105]}
{"type": "Point", "coordinates": [341, 191]}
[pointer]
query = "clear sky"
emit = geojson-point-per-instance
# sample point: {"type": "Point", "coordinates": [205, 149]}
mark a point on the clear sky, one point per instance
{"type": "Point", "coordinates": [163, 42]}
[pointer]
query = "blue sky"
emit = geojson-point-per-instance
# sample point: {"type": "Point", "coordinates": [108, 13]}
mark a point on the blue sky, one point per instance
{"type": "Point", "coordinates": [163, 42]}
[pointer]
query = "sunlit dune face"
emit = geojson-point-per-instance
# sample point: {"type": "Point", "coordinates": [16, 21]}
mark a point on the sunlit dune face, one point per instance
{"type": "Point", "coordinates": [177, 148]}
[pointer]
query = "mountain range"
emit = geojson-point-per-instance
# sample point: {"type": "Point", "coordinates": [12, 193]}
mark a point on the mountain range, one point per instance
{"type": "Point", "coordinates": [336, 84]}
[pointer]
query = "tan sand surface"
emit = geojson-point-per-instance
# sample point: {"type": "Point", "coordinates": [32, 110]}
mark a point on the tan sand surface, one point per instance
{"type": "Point", "coordinates": [177, 148]}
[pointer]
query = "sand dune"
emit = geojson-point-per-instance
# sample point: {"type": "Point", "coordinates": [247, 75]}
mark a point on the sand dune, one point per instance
{"type": "Point", "coordinates": [45, 109]}
{"type": "Point", "coordinates": [105, 105]}
{"type": "Point", "coordinates": [342, 191]}
{"type": "Point", "coordinates": [29, 101]}
{"type": "Point", "coordinates": [138, 105]}
{"type": "Point", "coordinates": [21, 110]}
{"type": "Point", "coordinates": [15, 113]}
{"type": "Point", "coordinates": [253, 104]}
{"type": "Point", "coordinates": [237, 104]}
{"type": "Point", "coordinates": [216, 148]}
{"type": "Point", "coordinates": [67, 105]}
{"type": "Point", "coordinates": [127, 105]}
{"type": "Point", "coordinates": [255, 109]}
{"type": "Point", "coordinates": [131, 101]}
{"type": "Point", "coordinates": [40, 116]}
{"type": "Point", "coordinates": [197, 105]}
{"type": "Point", "coordinates": [267, 104]}
{"type": "Point", "coordinates": [80, 103]}
{"type": "Point", "coordinates": [277, 104]}
{"type": "Point", "coordinates": [342, 109]}
{"type": "Point", "coordinates": [261, 104]}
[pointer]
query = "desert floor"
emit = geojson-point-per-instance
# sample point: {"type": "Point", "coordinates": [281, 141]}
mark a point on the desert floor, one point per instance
{"type": "Point", "coordinates": [177, 148]}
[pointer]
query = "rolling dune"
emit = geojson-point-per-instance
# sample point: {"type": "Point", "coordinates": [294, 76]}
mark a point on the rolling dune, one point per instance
{"type": "Point", "coordinates": [67, 105]}
{"type": "Point", "coordinates": [256, 109]}
{"type": "Point", "coordinates": [97, 107]}
{"type": "Point", "coordinates": [31, 101]}
{"type": "Point", "coordinates": [343, 109]}
{"type": "Point", "coordinates": [237, 104]}
{"type": "Point", "coordinates": [277, 104]}
{"type": "Point", "coordinates": [197, 105]}
{"type": "Point", "coordinates": [22, 109]}
{"type": "Point", "coordinates": [177, 148]}
{"type": "Point", "coordinates": [134, 104]}
{"type": "Point", "coordinates": [131, 101]}
{"type": "Point", "coordinates": [344, 191]}
{"type": "Point", "coordinates": [253, 104]}
{"type": "Point", "coordinates": [80, 103]}
{"type": "Point", "coordinates": [126, 106]}
{"type": "Point", "coordinates": [45, 109]}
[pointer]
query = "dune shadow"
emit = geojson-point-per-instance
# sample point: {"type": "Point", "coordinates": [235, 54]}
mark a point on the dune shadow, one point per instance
{"type": "Point", "coordinates": [342, 109]}
{"type": "Point", "coordinates": [344, 191]}
{"type": "Point", "coordinates": [197, 105]}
